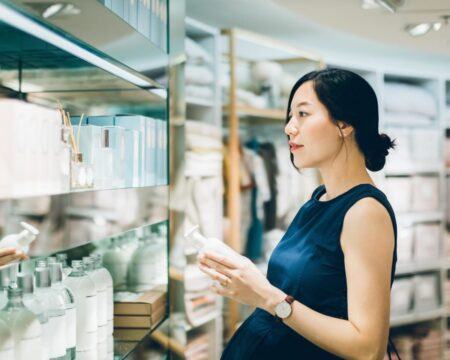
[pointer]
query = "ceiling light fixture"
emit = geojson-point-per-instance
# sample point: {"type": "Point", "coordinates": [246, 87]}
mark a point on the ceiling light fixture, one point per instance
{"type": "Point", "coordinates": [420, 29]}
{"type": "Point", "coordinates": [60, 9]}
{"type": "Point", "coordinates": [390, 5]}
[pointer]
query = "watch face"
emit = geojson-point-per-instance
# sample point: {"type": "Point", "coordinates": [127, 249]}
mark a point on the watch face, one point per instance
{"type": "Point", "coordinates": [283, 309]}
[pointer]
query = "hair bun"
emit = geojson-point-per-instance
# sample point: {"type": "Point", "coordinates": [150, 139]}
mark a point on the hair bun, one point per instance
{"type": "Point", "coordinates": [376, 160]}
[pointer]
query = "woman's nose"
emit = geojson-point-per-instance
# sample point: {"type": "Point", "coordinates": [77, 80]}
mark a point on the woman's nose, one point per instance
{"type": "Point", "coordinates": [290, 129]}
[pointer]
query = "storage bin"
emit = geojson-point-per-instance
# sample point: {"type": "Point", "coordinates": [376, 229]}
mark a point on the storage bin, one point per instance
{"type": "Point", "coordinates": [425, 193]}
{"type": "Point", "coordinates": [426, 239]}
{"type": "Point", "coordinates": [401, 296]}
{"type": "Point", "coordinates": [399, 192]}
{"type": "Point", "coordinates": [426, 293]}
{"type": "Point", "coordinates": [405, 243]}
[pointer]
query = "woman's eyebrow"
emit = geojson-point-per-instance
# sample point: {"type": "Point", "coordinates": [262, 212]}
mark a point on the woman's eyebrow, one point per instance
{"type": "Point", "coordinates": [303, 103]}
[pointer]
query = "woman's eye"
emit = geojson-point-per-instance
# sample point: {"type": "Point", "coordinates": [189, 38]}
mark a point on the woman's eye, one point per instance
{"type": "Point", "coordinates": [302, 113]}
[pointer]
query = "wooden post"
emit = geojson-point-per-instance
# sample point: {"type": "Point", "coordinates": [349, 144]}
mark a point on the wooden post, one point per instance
{"type": "Point", "coordinates": [233, 178]}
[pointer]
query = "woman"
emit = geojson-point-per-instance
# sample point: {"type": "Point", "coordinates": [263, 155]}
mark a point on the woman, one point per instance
{"type": "Point", "coordinates": [327, 291]}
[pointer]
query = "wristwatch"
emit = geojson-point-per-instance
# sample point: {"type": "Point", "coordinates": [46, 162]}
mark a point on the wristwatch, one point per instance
{"type": "Point", "coordinates": [284, 309]}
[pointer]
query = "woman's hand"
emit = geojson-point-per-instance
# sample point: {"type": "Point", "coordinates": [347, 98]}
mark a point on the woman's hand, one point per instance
{"type": "Point", "coordinates": [9, 255]}
{"type": "Point", "coordinates": [242, 281]}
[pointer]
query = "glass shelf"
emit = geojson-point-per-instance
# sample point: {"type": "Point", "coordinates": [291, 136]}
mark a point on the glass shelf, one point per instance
{"type": "Point", "coordinates": [118, 45]}
{"type": "Point", "coordinates": [71, 220]}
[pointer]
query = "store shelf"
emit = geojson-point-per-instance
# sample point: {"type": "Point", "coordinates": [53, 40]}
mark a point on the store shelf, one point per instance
{"type": "Point", "coordinates": [118, 47]}
{"type": "Point", "coordinates": [254, 113]}
{"type": "Point", "coordinates": [169, 343]}
{"type": "Point", "coordinates": [417, 317]}
{"type": "Point", "coordinates": [419, 266]}
{"type": "Point", "coordinates": [415, 217]}
{"type": "Point", "coordinates": [199, 102]}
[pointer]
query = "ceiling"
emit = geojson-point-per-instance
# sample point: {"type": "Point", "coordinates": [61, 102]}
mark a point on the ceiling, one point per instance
{"type": "Point", "coordinates": [379, 24]}
{"type": "Point", "coordinates": [337, 28]}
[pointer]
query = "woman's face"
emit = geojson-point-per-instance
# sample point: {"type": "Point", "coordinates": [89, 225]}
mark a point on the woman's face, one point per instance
{"type": "Point", "coordinates": [313, 138]}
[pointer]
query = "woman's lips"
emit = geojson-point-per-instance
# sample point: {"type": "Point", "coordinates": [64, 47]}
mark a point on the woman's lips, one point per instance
{"type": "Point", "coordinates": [295, 146]}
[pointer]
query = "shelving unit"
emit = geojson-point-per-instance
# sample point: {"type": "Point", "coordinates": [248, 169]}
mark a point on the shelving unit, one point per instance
{"type": "Point", "coordinates": [56, 62]}
{"type": "Point", "coordinates": [243, 48]}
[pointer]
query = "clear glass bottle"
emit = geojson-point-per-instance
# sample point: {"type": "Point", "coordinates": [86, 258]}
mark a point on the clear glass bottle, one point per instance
{"type": "Point", "coordinates": [24, 325]}
{"type": "Point", "coordinates": [85, 295]}
{"type": "Point", "coordinates": [6, 340]}
{"type": "Point", "coordinates": [5, 279]}
{"type": "Point", "coordinates": [81, 173]}
{"type": "Point", "coordinates": [102, 305]}
{"type": "Point", "coordinates": [54, 305]}
{"type": "Point", "coordinates": [62, 259]}
{"type": "Point", "coordinates": [105, 277]}
{"type": "Point", "coordinates": [69, 303]}
{"type": "Point", "coordinates": [25, 282]}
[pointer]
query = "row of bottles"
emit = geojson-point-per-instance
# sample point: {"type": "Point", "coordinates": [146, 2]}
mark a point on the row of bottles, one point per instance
{"type": "Point", "coordinates": [57, 312]}
{"type": "Point", "coordinates": [137, 260]}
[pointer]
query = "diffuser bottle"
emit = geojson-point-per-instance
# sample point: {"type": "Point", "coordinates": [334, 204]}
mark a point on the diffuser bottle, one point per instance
{"type": "Point", "coordinates": [102, 304]}
{"type": "Point", "coordinates": [25, 282]}
{"type": "Point", "coordinates": [85, 295]}
{"type": "Point", "coordinates": [69, 305]}
{"type": "Point", "coordinates": [24, 325]}
{"type": "Point", "coordinates": [54, 305]}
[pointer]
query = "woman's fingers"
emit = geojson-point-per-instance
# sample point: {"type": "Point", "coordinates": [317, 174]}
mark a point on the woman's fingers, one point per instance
{"type": "Point", "coordinates": [216, 266]}
{"type": "Point", "coordinates": [7, 251]}
{"type": "Point", "coordinates": [5, 260]}
{"type": "Point", "coordinates": [220, 259]}
{"type": "Point", "coordinates": [213, 274]}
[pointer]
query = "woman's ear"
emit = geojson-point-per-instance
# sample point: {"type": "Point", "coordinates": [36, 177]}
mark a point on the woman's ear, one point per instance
{"type": "Point", "coordinates": [344, 129]}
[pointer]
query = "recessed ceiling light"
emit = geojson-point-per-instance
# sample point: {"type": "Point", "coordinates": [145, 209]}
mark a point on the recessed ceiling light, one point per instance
{"type": "Point", "coordinates": [52, 10]}
{"type": "Point", "coordinates": [437, 25]}
{"type": "Point", "coordinates": [60, 9]}
{"type": "Point", "coordinates": [390, 5]}
{"type": "Point", "coordinates": [418, 29]}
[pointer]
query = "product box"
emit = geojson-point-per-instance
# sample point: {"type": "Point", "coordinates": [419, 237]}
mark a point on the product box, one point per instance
{"type": "Point", "coordinates": [132, 12]}
{"type": "Point", "coordinates": [117, 143]}
{"type": "Point", "coordinates": [118, 7]}
{"type": "Point", "coordinates": [155, 22]}
{"type": "Point", "coordinates": [145, 304]}
{"type": "Point", "coordinates": [75, 120]}
{"type": "Point", "coordinates": [139, 322]}
{"type": "Point", "coordinates": [151, 149]}
{"type": "Point", "coordinates": [101, 120]}
{"type": "Point", "coordinates": [132, 158]}
{"type": "Point", "coordinates": [143, 17]}
{"type": "Point", "coordinates": [137, 123]}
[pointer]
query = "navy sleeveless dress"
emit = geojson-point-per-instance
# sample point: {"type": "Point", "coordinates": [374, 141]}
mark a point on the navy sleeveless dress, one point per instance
{"type": "Point", "coordinates": [308, 263]}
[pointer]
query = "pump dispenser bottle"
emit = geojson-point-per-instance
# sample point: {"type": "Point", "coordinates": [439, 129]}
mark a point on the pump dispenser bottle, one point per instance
{"type": "Point", "coordinates": [26, 283]}
{"type": "Point", "coordinates": [22, 240]}
{"type": "Point", "coordinates": [202, 244]}
{"type": "Point", "coordinates": [69, 305]}
{"type": "Point", "coordinates": [54, 304]}
{"type": "Point", "coordinates": [24, 325]}
{"type": "Point", "coordinates": [85, 295]}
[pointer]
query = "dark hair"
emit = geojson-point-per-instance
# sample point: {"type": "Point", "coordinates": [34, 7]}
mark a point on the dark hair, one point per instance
{"type": "Point", "coordinates": [349, 98]}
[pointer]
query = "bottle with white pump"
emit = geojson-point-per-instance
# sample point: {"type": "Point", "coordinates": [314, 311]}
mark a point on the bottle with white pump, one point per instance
{"type": "Point", "coordinates": [69, 304]}
{"type": "Point", "coordinates": [54, 304]}
{"type": "Point", "coordinates": [25, 282]}
{"type": "Point", "coordinates": [24, 325]}
{"type": "Point", "coordinates": [102, 304]}
{"type": "Point", "coordinates": [105, 277]}
{"type": "Point", "coordinates": [85, 295]}
{"type": "Point", "coordinates": [201, 243]}
{"type": "Point", "coordinates": [22, 240]}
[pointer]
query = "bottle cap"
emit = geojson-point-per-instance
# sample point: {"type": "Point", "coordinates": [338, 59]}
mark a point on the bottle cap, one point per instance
{"type": "Point", "coordinates": [14, 291]}
{"type": "Point", "coordinates": [55, 272]}
{"type": "Point", "coordinates": [41, 264]}
{"type": "Point", "coordinates": [51, 260]}
{"type": "Point", "coordinates": [88, 263]}
{"type": "Point", "coordinates": [42, 277]}
{"type": "Point", "coordinates": [25, 282]}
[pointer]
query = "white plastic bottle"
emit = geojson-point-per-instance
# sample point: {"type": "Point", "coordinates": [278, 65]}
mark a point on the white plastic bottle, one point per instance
{"type": "Point", "coordinates": [116, 263]}
{"type": "Point", "coordinates": [144, 267]}
{"type": "Point", "coordinates": [24, 325]}
{"type": "Point", "coordinates": [54, 305]}
{"type": "Point", "coordinates": [6, 341]}
{"type": "Point", "coordinates": [69, 304]}
{"type": "Point", "coordinates": [85, 295]}
{"type": "Point", "coordinates": [105, 277]}
{"type": "Point", "coordinates": [25, 282]}
{"type": "Point", "coordinates": [202, 244]}
{"type": "Point", "coordinates": [22, 240]}
{"type": "Point", "coordinates": [5, 279]}
{"type": "Point", "coordinates": [102, 304]}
